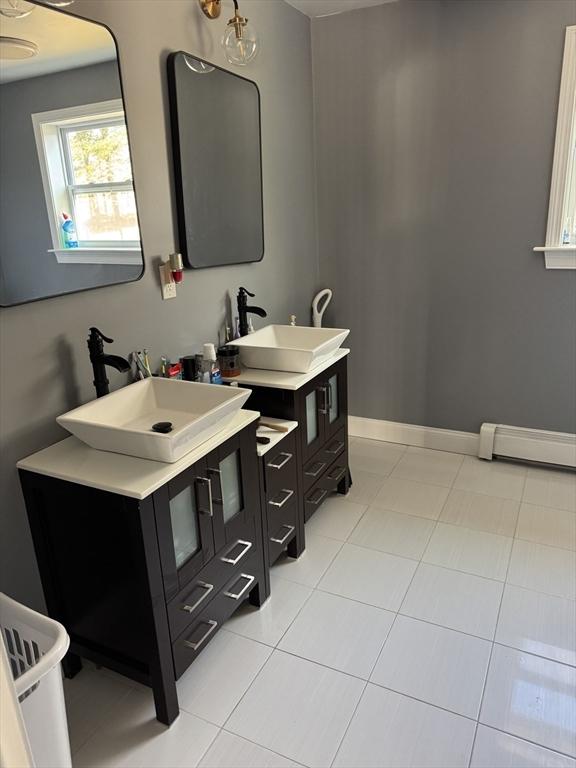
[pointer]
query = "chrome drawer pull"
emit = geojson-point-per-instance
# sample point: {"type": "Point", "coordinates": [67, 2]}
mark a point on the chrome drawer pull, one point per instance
{"type": "Point", "coordinates": [288, 495]}
{"type": "Point", "coordinates": [340, 472]}
{"type": "Point", "coordinates": [246, 544]}
{"type": "Point", "coordinates": [207, 589]}
{"type": "Point", "coordinates": [208, 483]}
{"type": "Point", "coordinates": [320, 464]}
{"type": "Point", "coordinates": [291, 528]}
{"type": "Point", "coordinates": [281, 463]}
{"type": "Point", "coordinates": [336, 450]}
{"type": "Point", "coordinates": [212, 626]}
{"type": "Point", "coordinates": [323, 493]}
{"type": "Point", "coordinates": [238, 595]}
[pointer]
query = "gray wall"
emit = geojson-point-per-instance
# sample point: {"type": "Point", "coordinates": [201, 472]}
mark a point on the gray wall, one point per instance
{"type": "Point", "coordinates": [435, 124]}
{"type": "Point", "coordinates": [44, 367]}
{"type": "Point", "coordinates": [27, 271]}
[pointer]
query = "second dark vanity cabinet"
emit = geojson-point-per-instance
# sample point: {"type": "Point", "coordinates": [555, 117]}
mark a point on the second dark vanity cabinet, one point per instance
{"type": "Point", "coordinates": [320, 406]}
{"type": "Point", "coordinates": [280, 495]}
{"type": "Point", "coordinates": [143, 584]}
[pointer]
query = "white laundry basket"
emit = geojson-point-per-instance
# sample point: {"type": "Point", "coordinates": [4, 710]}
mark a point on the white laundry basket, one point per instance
{"type": "Point", "coordinates": [35, 646]}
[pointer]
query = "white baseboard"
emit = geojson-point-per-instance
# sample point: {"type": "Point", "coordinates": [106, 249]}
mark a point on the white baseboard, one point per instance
{"type": "Point", "coordinates": [411, 434]}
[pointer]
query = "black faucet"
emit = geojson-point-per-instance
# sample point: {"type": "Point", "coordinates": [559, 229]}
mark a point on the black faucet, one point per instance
{"type": "Point", "coordinates": [244, 309]}
{"type": "Point", "coordinates": [100, 360]}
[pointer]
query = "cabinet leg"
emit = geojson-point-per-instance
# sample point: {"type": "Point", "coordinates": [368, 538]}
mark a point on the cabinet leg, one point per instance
{"type": "Point", "coordinates": [258, 594]}
{"type": "Point", "coordinates": [71, 664]}
{"type": "Point", "coordinates": [345, 484]}
{"type": "Point", "coordinates": [296, 546]}
{"type": "Point", "coordinates": [165, 699]}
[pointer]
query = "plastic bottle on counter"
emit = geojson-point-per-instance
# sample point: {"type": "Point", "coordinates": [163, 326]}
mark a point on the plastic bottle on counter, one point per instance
{"type": "Point", "coordinates": [211, 370]}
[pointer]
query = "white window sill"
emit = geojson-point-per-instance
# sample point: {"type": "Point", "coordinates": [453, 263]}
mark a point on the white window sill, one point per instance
{"type": "Point", "coordinates": [126, 256]}
{"type": "Point", "coordinates": [559, 256]}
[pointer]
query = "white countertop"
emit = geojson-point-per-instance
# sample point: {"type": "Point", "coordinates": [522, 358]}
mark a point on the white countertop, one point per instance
{"type": "Point", "coordinates": [258, 377]}
{"type": "Point", "coordinates": [73, 460]}
{"type": "Point", "coordinates": [275, 436]}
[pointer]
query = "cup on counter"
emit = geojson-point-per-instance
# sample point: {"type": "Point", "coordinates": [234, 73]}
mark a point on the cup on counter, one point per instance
{"type": "Point", "coordinates": [229, 360]}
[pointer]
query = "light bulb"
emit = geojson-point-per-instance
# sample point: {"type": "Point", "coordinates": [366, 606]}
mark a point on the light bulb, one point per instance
{"type": "Point", "coordinates": [240, 43]}
{"type": "Point", "coordinates": [16, 9]}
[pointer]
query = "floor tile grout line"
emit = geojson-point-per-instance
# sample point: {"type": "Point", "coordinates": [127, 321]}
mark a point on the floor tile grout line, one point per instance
{"type": "Point", "coordinates": [251, 741]}
{"type": "Point", "coordinates": [275, 649]}
{"type": "Point", "coordinates": [529, 741]}
{"type": "Point", "coordinates": [205, 752]}
{"type": "Point", "coordinates": [107, 719]}
{"type": "Point", "coordinates": [487, 673]}
{"type": "Point", "coordinates": [423, 701]}
{"type": "Point", "coordinates": [241, 699]}
{"type": "Point", "coordinates": [304, 604]}
{"type": "Point", "coordinates": [349, 723]}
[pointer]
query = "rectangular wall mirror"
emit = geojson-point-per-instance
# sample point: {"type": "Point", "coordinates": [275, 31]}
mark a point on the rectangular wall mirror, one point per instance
{"type": "Point", "coordinates": [215, 118]}
{"type": "Point", "coordinates": [68, 217]}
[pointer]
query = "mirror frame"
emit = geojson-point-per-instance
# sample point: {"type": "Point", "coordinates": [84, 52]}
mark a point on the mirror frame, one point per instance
{"type": "Point", "coordinates": [177, 161]}
{"type": "Point", "coordinates": [66, 12]}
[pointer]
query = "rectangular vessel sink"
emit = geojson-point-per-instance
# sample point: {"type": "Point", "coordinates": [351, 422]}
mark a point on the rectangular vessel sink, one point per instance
{"type": "Point", "coordinates": [122, 421]}
{"type": "Point", "coordinates": [289, 347]}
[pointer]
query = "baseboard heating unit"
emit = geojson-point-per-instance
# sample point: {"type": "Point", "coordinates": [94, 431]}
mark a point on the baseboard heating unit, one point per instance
{"type": "Point", "coordinates": [528, 444]}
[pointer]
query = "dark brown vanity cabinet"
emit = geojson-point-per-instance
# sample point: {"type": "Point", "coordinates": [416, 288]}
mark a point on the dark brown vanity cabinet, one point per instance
{"type": "Point", "coordinates": [143, 585]}
{"type": "Point", "coordinates": [320, 407]}
{"type": "Point", "coordinates": [279, 472]}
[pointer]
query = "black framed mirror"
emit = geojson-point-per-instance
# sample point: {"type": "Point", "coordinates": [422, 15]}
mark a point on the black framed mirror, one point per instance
{"type": "Point", "coordinates": [68, 214]}
{"type": "Point", "coordinates": [215, 118]}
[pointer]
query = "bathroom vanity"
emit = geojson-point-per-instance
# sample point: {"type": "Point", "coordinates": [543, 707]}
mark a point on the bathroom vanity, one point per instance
{"type": "Point", "coordinates": [318, 401]}
{"type": "Point", "coordinates": [143, 561]}
{"type": "Point", "coordinates": [280, 489]}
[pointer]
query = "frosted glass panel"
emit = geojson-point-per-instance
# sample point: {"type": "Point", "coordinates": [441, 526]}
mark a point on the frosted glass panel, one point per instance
{"type": "Point", "coordinates": [334, 409]}
{"type": "Point", "coordinates": [231, 486]}
{"type": "Point", "coordinates": [311, 418]}
{"type": "Point", "coordinates": [184, 517]}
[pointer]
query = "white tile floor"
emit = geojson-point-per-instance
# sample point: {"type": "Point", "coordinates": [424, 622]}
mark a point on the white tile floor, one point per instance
{"type": "Point", "coordinates": [431, 622]}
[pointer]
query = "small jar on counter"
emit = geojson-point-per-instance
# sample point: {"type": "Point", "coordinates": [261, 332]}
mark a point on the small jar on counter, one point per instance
{"type": "Point", "coordinates": [229, 360]}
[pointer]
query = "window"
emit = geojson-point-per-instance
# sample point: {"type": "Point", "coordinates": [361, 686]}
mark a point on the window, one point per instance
{"type": "Point", "coordinates": [560, 248]}
{"type": "Point", "coordinates": [87, 175]}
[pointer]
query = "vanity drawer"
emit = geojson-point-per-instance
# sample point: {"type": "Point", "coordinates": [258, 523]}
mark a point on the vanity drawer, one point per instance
{"type": "Point", "coordinates": [280, 466]}
{"type": "Point", "coordinates": [282, 523]}
{"type": "Point", "coordinates": [226, 564]}
{"type": "Point", "coordinates": [205, 626]}
{"type": "Point", "coordinates": [317, 465]}
{"type": "Point", "coordinates": [327, 484]}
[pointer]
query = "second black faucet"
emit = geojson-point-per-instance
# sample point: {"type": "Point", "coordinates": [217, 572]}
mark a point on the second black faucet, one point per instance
{"type": "Point", "coordinates": [244, 310]}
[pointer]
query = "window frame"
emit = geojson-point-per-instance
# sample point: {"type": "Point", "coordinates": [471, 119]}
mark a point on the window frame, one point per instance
{"type": "Point", "coordinates": [557, 255]}
{"type": "Point", "coordinates": [56, 172]}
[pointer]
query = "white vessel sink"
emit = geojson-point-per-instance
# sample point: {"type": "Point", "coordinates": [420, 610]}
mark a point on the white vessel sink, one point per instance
{"type": "Point", "coordinates": [122, 421]}
{"type": "Point", "coordinates": [289, 347]}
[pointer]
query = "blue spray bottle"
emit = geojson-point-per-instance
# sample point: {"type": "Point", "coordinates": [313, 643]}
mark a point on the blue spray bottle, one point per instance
{"type": "Point", "coordinates": [70, 236]}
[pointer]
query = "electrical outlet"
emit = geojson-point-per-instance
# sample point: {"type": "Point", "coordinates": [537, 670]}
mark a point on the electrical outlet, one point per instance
{"type": "Point", "coordinates": [166, 281]}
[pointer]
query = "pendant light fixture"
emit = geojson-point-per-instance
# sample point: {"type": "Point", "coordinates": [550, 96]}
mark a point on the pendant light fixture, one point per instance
{"type": "Point", "coordinates": [14, 48]}
{"type": "Point", "coordinates": [240, 41]}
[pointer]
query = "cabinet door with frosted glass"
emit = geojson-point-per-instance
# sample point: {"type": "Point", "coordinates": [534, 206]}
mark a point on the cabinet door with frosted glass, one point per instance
{"type": "Point", "coordinates": [337, 394]}
{"type": "Point", "coordinates": [233, 473]}
{"type": "Point", "coordinates": [184, 521]}
{"type": "Point", "coordinates": [313, 406]}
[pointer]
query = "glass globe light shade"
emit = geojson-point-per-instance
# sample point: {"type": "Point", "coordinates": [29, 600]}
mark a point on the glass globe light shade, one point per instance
{"type": "Point", "coordinates": [240, 50]}
{"type": "Point", "coordinates": [59, 3]}
{"type": "Point", "coordinates": [16, 9]}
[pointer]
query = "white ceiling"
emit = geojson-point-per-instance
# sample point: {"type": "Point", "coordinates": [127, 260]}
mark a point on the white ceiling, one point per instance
{"type": "Point", "coordinates": [315, 8]}
{"type": "Point", "coordinates": [64, 41]}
